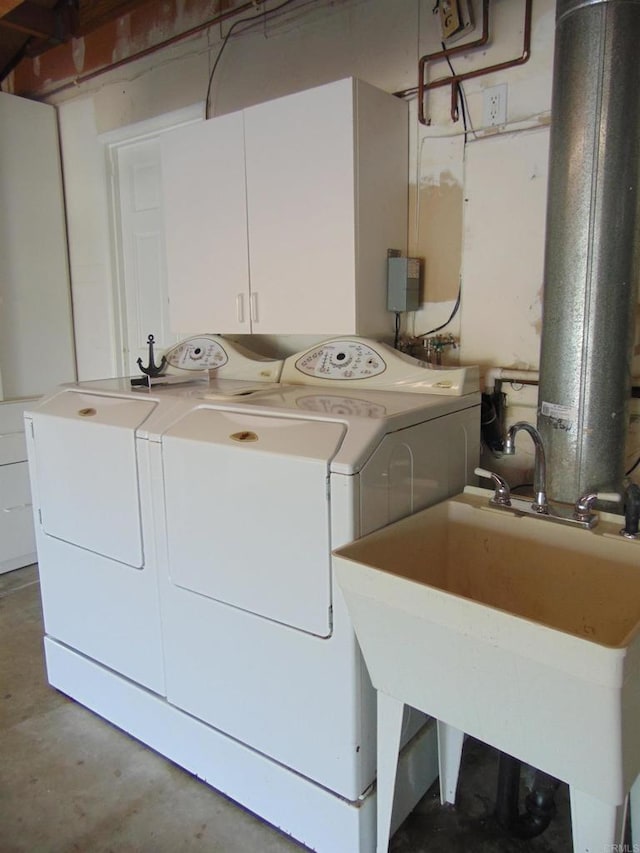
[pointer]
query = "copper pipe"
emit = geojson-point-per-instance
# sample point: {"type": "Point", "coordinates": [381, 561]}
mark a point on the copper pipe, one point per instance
{"type": "Point", "coordinates": [445, 53]}
{"type": "Point", "coordinates": [455, 80]}
{"type": "Point", "coordinates": [152, 49]}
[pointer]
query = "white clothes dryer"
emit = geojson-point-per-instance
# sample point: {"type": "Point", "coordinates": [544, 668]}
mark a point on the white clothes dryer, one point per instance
{"type": "Point", "coordinates": [94, 528]}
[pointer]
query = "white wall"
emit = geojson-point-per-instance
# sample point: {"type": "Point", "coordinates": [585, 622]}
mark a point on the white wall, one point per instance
{"type": "Point", "coordinates": [36, 336]}
{"type": "Point", "coordinates": [477, 209]}
{"type": "Point", "coordinates": [505, 199]}
{"type": "Point", "coordinates": [477, 206]}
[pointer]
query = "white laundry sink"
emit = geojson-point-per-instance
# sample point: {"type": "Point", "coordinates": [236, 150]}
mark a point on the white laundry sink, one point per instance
{"type": "Point", "coordinates": [520, 632]}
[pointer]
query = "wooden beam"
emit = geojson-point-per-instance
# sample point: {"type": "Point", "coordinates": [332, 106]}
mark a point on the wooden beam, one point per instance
{"type": "Point", "coordinates": [8, 5]}
{"type": "Point", "coordinates": [31, 19]}
{"type": "Point", "coordinates": [94, 13]}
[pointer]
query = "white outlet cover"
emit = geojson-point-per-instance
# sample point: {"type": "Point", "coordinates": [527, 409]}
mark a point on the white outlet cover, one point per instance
{"type": "Point", "coordinates": [494, 105]}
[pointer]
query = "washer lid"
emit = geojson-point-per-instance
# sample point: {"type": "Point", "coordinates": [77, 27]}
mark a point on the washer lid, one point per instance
{"type": "Point", "coordinates": [248, 513]}
{"type": "Point", "coordinates": [367, 414]}
{"type": "Point", "coordinates": [261, 433]}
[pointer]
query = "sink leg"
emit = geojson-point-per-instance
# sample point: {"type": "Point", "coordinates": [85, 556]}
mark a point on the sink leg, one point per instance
{"type": "Point", "coordinates": [390, 714]}
{"type": "Point", "coordinates": [634, 810]}
{"type": "Point", "coordinates": [450, 742]}
{"type": "Point", "coordinates": [596, 826]}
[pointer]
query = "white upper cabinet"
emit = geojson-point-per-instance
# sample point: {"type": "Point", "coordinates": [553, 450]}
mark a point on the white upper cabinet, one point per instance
{"type": "Point", "coordinates": [302, 210]}
{"type": "Point", "coordinates": [205, 214]}
{"type": "Point", "coordinates": [286, 229]}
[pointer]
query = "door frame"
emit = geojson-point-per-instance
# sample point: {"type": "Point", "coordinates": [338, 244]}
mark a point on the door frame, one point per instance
{"type": "Point", "coordinates": [112, 141]}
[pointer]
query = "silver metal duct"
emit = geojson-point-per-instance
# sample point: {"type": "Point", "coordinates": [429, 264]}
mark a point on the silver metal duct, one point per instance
{"type": "Point", "coordinates": [592, 256]}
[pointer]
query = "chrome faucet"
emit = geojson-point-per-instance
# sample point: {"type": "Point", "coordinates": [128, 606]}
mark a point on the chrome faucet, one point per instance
{"type": "Point", "coordinates": [581, 513]}
{"type": "Point", "coordinates": [540, 502]}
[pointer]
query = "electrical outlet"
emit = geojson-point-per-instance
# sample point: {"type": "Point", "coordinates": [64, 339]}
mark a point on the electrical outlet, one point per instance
{"type": "Point", "coordinates": [495, 105]}
{"type": "Point", "coordinates": [449, 18]}
{"type": "Point", "coordinates": [456, 19]}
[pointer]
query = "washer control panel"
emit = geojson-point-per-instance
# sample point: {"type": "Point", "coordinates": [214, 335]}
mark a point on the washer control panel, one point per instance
{"type": "Point", "coordinates": [341, 360]}
{"type": "Point", "coordinates": [199, 353]}
{"type": "Point", "coordinates": [362, 363]}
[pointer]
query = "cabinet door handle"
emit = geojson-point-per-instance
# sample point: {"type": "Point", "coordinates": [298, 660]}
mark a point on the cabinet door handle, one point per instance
{"type": "Point", "coordinates": [240, 307]}
{"type": "Point", "coordinates": [254, 307]}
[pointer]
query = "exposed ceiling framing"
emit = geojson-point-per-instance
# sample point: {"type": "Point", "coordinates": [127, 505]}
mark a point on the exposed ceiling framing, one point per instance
{"type": "Point", "coordinates": [31, 27]}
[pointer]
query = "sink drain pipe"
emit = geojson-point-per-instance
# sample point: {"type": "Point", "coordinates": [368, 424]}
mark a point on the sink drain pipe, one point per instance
{"type": "Point", "coordinates": [592, 249]}
{"type": "Point", "coordinates": [540, 807]}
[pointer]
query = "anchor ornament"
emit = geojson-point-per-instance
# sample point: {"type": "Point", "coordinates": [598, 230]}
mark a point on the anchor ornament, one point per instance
{"type": "Point", "coordinates": [152, 368]}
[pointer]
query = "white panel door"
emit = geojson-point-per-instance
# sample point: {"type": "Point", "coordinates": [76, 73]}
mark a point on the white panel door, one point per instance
{"type": "Point", "coordinates": [301, 211]}
{"type": "Point", "coordinates": [206, 226]}
{"type": "Point", "coordinates": [143, 260]}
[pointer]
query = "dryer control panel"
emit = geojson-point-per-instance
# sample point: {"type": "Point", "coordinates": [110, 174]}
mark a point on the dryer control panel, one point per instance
{"type": "Point", "coordinates": [228, 359]}
{"type": "Point", "coordinates": [341, 360]}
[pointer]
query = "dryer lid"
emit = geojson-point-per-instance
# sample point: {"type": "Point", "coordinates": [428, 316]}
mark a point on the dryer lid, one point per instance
{"type": "Point", "coordinates": [87, 471]}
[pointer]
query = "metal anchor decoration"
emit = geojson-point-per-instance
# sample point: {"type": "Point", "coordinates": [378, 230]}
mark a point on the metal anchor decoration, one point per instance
{"type": "Point", "coordinates": [152, 368]}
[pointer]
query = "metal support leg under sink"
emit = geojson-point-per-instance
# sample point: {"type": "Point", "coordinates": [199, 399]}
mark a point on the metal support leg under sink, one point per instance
{"type": "Point", "coordinates": [596, 825]}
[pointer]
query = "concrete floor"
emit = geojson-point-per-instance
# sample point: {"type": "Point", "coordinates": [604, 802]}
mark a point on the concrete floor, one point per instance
{"type": "Point", "coordinates": [71, 783]}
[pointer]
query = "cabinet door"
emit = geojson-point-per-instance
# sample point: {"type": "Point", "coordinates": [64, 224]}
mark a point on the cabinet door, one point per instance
{"type": "Point", "coordinates": [206, 226]}
{"type": "Point", "coordinates": [17, 539]}
{"type": "Point", "coordinates": [300, 191]}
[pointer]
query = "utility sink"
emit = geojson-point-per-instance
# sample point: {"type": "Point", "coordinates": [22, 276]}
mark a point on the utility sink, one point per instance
{"type": "Point", "coordinates": [518, 631]}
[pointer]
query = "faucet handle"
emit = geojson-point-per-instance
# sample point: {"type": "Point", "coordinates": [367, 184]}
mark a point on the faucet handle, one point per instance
{"type": "Point", "coordinates": [608, 497]}
{"type": "Point", "coordinates": [502, 495]}
{"type": "Point", "coordinates": [584, 503]}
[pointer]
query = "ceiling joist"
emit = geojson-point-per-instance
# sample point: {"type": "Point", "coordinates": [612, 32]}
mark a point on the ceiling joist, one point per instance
{"type": "Point", "coordinates": [94, 13]}
{"type": "Point", "coordinates": [29, 19]}
{"type": "Point", "coordinates": [29, 28]}
{"type": "Point", "coordinates": [8, 5]}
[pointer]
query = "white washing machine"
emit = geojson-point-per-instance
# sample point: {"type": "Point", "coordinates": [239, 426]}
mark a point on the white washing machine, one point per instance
{"type": "Point", "coordinates": [186, 568]}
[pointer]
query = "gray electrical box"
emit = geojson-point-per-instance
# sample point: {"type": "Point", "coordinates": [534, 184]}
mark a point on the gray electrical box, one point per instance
{"type": "Point", "coordinates": [403, 284]}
